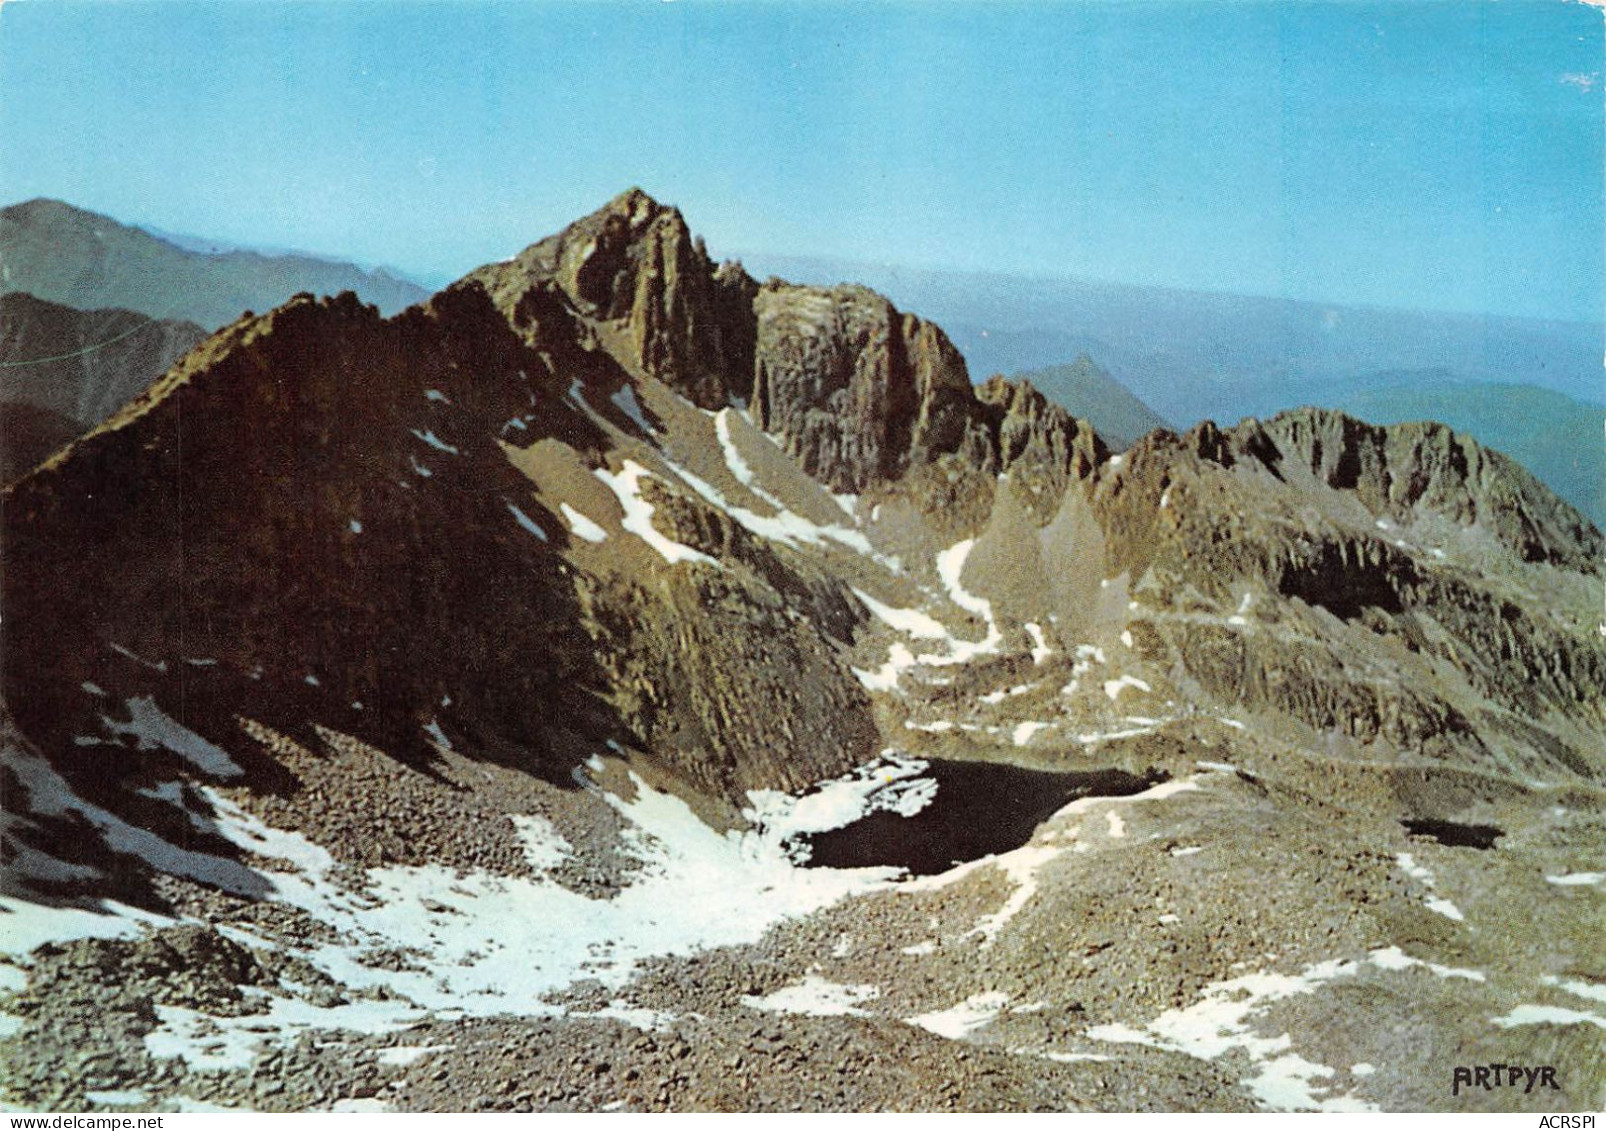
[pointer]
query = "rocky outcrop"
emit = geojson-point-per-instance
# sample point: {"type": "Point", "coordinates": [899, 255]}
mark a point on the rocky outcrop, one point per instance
{"type": "Point", "coordinates": [1092, 394]}
{"type": "Point", "coordinates": [1274, 526]}
{"type": "Point", "coordinates": [733, 676]}
{"type": "Point", "coordinates": [635, 267]}
{"type": "Point", "coordinates": [862, 394]}
{"type": "Point", "coordinates": [1428, 467]}
{"type": "Point", "coordinates": [857, 391]}
{"type": "Point", "coordinates": [1037, 438]}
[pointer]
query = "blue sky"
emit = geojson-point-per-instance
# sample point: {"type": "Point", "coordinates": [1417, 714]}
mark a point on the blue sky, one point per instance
{"type": "Point", "coordinates": [1436, 156]}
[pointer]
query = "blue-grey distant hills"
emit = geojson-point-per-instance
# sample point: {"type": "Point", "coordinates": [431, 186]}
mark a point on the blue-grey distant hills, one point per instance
{"type": "Point", "coordinates": [82, 259]}
{"type": "Point", "coordinates": [62, 371]}
{"type": "Point", "coordinates": [1529, 387]}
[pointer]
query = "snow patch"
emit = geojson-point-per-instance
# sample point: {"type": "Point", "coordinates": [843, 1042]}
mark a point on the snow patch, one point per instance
{"type": "Point", "coordinates": [1024, 732]}
{"type": "Point", "coordinates": [1444, 907]}
{"type": "Point", "coordinates": [493, 944]}
{"type": "Point", "coordinates": [118, 1097]}
{"type": "Point", "coordinates": [960, 1020]}
{"type": "Point", "coordinates": [154, 730]}
{"type": "Point", "coordinates": [526, 521]}
{"type": "Point", "coordinates": [1393, 958]}
{"type": "Point", "coordinates": [1114, 687]}
{"type": "Point", "coordinates": [891, 783]}
{"type": "Point", "coordinates": [434, 441]}
{"type": "Point", "coordinates": [1548, 1015]}
{"type": "Point", "coordinates": [544, 847]}
{"type": "Point", "coordinates": [30, 925]}
{"type": "Point", "coordinates": [1021, 865]}
{"type": "Point", "coordinates": [950, 567]}
{"type": "Point", "coordinates": [400, 1056]}
{"type": "Point", "coordinates": [158, 666]}
{"type": "Point", "coordinates": [911, 622]}
{"type": "Point", "coordinates": [736, 463]}
{"type": "Point", "coordinates": [1066, 1057]}
{"type": "Point", "coordinates": [1422, 875]}
{"type": "Point", "coordinates": [1040, 649]}
{"type": "Point", "coordinates": [216, 1044]}
{"type": "Point", "coordinates": [993, 697]}
{"type": "Point", "coordinates": [626, 485]}
{"type": "Point", "coordinates": [815, 997]}
{"type": "Point", "coordinates": [1577, 879]}
{"type": "Point", "coordinates": [1578, 989]}
{"type": "Point", "coordinates": [625, 401]}
{"type": "Point", "coordinates": [581, 526]}
{"type": "Point", "coordinates": [784, 526]}
{"type": "Point", "coordinates": [1124, 732]}
{"type": "Point", "coordinates": [1411, 868]}
{"type": "Point", "coordinates": [1221, 1021]}
{"type": "Point", "coordinates": [885, 678]}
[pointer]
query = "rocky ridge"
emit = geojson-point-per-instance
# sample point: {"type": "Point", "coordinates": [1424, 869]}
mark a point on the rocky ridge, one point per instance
{"type": "Point", "coordinates": [475, 607]}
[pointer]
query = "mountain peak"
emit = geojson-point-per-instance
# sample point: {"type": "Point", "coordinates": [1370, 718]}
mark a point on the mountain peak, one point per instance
{"type": "Point", "coordinates": [68, 255]}
{"type": "Point", "coordinates": [47, 205]}
{"type": "Point", "coordinates": [634, 199]}
{"type": "Point", "coordinates": [472, 687]}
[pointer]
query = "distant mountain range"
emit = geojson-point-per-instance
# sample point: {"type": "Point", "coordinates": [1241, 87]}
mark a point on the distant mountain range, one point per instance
{"type": "Point", "coordinates": [85, 260]}
{"type": "Point", "coordinates": [63, 370]}
{"type": "Point", "coordinates": [1196, 355]}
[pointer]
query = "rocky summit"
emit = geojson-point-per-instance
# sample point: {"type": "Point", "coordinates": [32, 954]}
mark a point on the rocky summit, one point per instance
{"type": "Point", "coordinates": [617, 683]}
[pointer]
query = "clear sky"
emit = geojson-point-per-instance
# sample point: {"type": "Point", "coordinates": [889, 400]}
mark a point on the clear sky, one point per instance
{"type": "Point", "coordinates": [1428, 155]}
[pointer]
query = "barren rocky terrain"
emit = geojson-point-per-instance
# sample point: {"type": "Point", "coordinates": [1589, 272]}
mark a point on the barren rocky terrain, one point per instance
{"type": "Point", "coordinates": [620, 684]}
